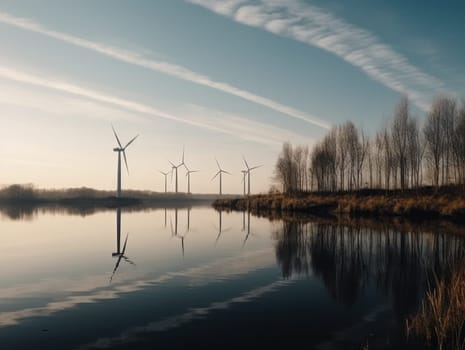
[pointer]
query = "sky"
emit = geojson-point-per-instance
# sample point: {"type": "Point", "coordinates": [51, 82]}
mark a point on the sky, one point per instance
{"type": "Point", "coordinates": [223, 79]}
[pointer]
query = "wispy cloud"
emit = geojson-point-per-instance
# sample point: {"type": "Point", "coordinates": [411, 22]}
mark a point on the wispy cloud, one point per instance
{"type": "Point", "coordinates": [314, 26]}
{"type": "Point", "coordinates": [196, 116]}
{"type": "Point", "coordinates": [248, 130]}
{"type": "Point", "coordinates": [159, 66]}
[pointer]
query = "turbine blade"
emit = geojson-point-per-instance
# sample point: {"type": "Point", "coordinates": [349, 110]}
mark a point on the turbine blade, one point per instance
{"type": "Point", "coordinates": [219, 171]}
{"type": "Point", "coordinates": [217, 163]}
{"type": "Point", "coordinates": [135, 137]}
{"type": "Point", "coordinates": [115, 268]}
{"type": "Point", "coordinates": [255, 167]}
{"type": "Point", "coordinates": [125, 242]}
{"type": "Point", "coordinates": [116, 135]}
{"type": "Point", "coordinates": [226, 172]}
{"type": "Point", "coordinates": [125, 160]}
{"type": "Point", "coordinates": [182, 154]}
{"type": "Point", "coordinates": [247, 165]}
{"type": "Point", "coordinates": [173, 166]}
{"type": "Point", "coordinates": [129, 260]}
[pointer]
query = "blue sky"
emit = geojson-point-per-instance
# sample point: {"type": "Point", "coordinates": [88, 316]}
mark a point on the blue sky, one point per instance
{"type": "Point", "coordinates": [223, 78]}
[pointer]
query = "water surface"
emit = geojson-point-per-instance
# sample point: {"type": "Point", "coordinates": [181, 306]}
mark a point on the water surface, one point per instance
{"type": "Point", "coordinates": [194, 277]}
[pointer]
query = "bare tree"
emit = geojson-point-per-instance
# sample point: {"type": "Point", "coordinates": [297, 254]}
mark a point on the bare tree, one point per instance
{"type": "Point", "coordinates": [438, 133]}
{"type": "Point", "coordinates": [399, 134]}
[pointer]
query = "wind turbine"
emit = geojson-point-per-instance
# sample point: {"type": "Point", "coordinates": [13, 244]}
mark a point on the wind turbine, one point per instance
{"type": "Point", "coordinates": [175, 167]}
{"type": "Point", "coordinates": [249, 169]}
{"type": "Point", "coordinates": [188, 174]}
{"type": "Point", "coordinates": [220, 172]}
{"type": "Point", "coordinates": [120, 149]}
{"type": "Point", "coordinates": [165, 175]}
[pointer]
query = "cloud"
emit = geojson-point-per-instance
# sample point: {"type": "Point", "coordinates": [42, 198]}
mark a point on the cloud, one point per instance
{"type": "Point", "coordinates": [196, 116]}
{"type": "Point", "coordinates": [51, 104]}
{"type": "Point", "coordinates": [314, 26]}
{"type": "Point", "coordinates": [248, 130]}
{"type": "Point", "coordinates": [164, 67]}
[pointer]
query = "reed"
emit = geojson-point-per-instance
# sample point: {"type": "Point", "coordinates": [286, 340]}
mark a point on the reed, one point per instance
{"type": "Point", "coordinates": [440, 322]}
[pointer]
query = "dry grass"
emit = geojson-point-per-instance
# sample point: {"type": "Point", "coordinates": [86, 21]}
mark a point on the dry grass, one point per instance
{"type": "Point", "coordinates": [440, 323]}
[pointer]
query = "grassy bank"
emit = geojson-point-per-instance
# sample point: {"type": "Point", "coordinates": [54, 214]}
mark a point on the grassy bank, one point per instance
{"type": "Point", "coordinates": [424, 203]}
{"type": "Point", "coordinates": [440, 322]}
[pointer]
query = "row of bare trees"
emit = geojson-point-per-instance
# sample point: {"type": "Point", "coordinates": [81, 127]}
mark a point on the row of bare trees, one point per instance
{"type": "Point", "coordinates": [400, 156]}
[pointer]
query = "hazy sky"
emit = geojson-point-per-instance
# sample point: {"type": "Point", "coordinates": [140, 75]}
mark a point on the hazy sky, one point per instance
{"type": "Point", "coordinates": [223, 78]}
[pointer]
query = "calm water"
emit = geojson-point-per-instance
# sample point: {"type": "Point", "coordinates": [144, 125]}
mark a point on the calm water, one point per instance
{"type": "Point", "coordinates": [184, 278]}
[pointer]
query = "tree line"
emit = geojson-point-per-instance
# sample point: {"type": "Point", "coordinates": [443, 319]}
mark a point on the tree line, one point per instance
{"type": "Point", "coordinates": [402, 155]}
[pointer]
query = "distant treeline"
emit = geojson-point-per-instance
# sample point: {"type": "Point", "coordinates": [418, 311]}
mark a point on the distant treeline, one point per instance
{"type": "Point", "coordinates": [28, 193]}
{"type": "Point", "coordinates": [400, 156]}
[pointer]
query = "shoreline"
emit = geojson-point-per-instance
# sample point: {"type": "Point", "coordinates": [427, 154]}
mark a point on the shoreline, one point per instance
{"type": "Point", "coordinates": [425, 204]}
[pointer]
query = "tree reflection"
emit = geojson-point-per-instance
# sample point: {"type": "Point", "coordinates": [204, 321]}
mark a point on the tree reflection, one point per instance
{"type": "Point", "coordinates": [348, 259]}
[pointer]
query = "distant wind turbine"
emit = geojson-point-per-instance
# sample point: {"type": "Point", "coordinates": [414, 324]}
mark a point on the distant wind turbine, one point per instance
{"type": "Point", "coordinates": [120, 149]}
{"type": "Point", "coordinates": [249, 169]}
{"type": "Point", "coordinates": [188, 174]}
{"type": "Point", "coordinates": [165, 175]}
{"type": "Point", "coordinates": [220, 172]}
{"type": "Point", "coordinates": [175, 168]}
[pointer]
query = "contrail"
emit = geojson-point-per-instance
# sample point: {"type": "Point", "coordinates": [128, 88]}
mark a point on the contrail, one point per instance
{"type": "Point", "coordinates": [196, 116]}
{"type": "Point", "coordinates": [159, 66]}
{"type": "Point", "coordinates": [317, 27]}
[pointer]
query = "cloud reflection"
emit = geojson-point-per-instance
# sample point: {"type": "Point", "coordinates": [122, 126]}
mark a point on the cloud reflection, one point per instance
{"type": "Point", "coordinates": [177, 321]}
{"type": "Point", "coordinates": [96, 288]}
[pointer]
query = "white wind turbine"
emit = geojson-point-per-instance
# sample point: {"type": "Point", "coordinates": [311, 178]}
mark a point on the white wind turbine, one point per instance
{"type": "Point", "coordinates": [175, 168]}
{"type": "Point", "coordinates": [249, 169]}
{"type": "Point", "coordinates": [188, 174]}
{"type": "Point", "coordinates": [165, 174]}
{"type": "Point", "coordinates": [220, 172]}
{"type": "Point", "coordinates": [120, 149]}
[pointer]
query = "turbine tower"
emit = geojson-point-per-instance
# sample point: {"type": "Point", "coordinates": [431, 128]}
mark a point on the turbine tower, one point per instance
{"type": "Point", "coordinates": [220, 172]}
{"type": "Point", "coordinates": [165, 175]}
{"type": "Point", "coordinates": [244, 173]}
{"type": "Point", "coordinates": [120, 149]}
{"type": "Point", "coordinates": [249, 169]}
{"type": "Point", "coordinates": [175, 167]}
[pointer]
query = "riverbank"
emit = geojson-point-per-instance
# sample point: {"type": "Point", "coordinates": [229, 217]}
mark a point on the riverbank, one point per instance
{"type": "Point", "coordinates": [446, 203]}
